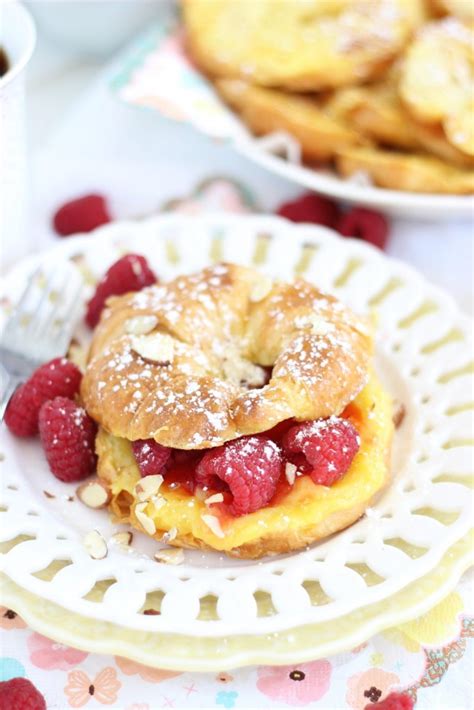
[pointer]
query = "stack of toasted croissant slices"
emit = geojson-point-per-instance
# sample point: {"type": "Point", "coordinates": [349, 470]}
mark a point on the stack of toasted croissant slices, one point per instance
{"type": "Point", "coordinates": [383, 89]}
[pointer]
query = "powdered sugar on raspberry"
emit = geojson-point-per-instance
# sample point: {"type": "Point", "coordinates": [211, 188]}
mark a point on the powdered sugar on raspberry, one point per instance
{"type": "Point", "coordinates": [249, 467]}
{"type": "Point", "coordinates": [328, 445]}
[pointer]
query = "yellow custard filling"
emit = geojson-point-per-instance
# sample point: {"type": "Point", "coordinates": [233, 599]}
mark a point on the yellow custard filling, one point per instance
{"type": "Point", "coordinates": [297, 515]}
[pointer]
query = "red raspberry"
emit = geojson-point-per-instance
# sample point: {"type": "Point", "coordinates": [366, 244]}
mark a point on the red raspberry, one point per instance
{"type": "Point", "coordinates": [57, 378]}
{"type": "Point", "coordinates": [20, 694]}
{"type": "Point", "coordinates": [311, 208]}
{"type": "Point", "coordinates": [329, 445]}
{"type": "Point", "coordinates": [394, 701]}
{"type": "Point", "coordinates": [130, 273]}
{"type": "Point", "coordinates": [250, 467]}
{"type": "Point", "coordinates": [364, 224]}
{"type": "Point", "coordinates": [68, 436]}
{"type": "Point", "coordinates": [81, 215]}
{"type": "Point", "coordinates": [150, 456]}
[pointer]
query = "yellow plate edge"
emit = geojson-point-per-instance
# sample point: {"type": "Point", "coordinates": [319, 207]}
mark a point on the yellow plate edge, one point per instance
{"type": "Point", "coordinates": [187, 653]}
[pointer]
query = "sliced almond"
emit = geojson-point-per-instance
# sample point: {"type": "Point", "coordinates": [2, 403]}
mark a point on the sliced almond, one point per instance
{"type": "Point", "coordinates": [157, 347]}
{"type": "Point", "coordinates": [94, 494]}
{"type": "Point", "coordinates": [399, 414]}
{"type": "Point", "coordinates": [95, 545]}
{"type": "Point", "coordinates": [158, 501]}
{"type": "Point", "coordinates": [145, 521]}
{"type": "Point", "coordinates": [261, 289]}
{"type": "Point", "coordinates": [47, 493]}
{"type": "Point", "coordinates": [213, 524]}
{"type": "Point", "coordinates": [173, 556]}
{"type": "Point", "coordinates": [290, 472]}
{"type": "Point", "coordinates": [140, 325]}
{"type": "Point", "coordinates": [169, 535]}
{"type": "Point", "coordinates": [123, 539]}
{"type": "Point", "coordinates": [216, 498]}
{"type": "Point", "coordinates": [148, 487]}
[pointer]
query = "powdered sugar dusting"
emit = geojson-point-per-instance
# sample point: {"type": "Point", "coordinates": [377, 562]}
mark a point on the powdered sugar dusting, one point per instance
{"type": "Point", "coordinates": [196, 396]}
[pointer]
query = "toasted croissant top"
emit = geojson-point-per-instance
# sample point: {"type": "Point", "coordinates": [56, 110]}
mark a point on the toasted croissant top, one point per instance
{"type": "Point", "coordinates": [187, 363]}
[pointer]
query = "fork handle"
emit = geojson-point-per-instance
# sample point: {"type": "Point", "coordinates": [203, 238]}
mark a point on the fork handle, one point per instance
{"type": "Point", "coordinates": [8, 386]}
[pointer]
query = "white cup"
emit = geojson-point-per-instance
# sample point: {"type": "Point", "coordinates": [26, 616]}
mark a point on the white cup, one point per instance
{"type": "Point", "coordinates": [17, 38]}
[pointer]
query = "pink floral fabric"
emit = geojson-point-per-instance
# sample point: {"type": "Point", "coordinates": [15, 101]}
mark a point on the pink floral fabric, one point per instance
{"type": "Point", "coordinates": [369, 687]}
{"type": "Point", "coordinates": [49, 655]}
{"type": "Point", "coordinates": [295, 685]}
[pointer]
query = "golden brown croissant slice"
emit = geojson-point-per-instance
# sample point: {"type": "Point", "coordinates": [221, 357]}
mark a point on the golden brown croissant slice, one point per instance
{"type": "Point", "coordinates": [185, 363]}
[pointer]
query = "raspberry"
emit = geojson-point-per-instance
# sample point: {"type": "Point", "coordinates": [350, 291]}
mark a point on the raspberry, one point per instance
{"type": "Point", "coordinates": [364, 224]}
{"type": "Point", "coordinates": [150, 456]}
{"type": "Point", "coordinates": [250, 467]}
{"type": "Point", "coordinates": [130, 273]}
{"type": "Point", "coordinates": [68, 436]}
{"type": "Point", "coordinates": [329, 445]}
{"type": "Point", "coordinates": [57, 378]}
{"type": "Point", "coordinates": [311, 208]}
{"type": "Point", "coordinates": [81, 215]}
{"type": "Point", "coordinates": [20, 694]}
{"type": "Point", "coordinates": [394, 701]}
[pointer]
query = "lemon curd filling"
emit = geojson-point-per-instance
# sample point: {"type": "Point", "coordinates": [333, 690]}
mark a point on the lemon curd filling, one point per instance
{"type": "Point", "coordinates": [295, 512]}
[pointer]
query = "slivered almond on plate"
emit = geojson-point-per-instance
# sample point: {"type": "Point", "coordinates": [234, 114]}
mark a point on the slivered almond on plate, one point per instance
{"type": "Point", "coordinates": [123, 539]}
{"type": "Point", "coordinates": [95, 545]}
{"type": "Point", "coordinates": [173, 556]}
{"type": "Point", "coordinates": [94, 494]}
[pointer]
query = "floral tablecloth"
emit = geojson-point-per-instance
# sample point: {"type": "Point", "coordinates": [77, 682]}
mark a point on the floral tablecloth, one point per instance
{"type": "Point", "coordinates": [430, 658]}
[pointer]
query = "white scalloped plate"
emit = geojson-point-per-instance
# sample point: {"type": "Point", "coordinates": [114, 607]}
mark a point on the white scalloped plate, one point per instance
{"type": "Point", "coordinates": [190, 653]}
{"type": "Point", "coordinates": [399, 203]}
{"type": "Point", "coordinates": [423, 355]}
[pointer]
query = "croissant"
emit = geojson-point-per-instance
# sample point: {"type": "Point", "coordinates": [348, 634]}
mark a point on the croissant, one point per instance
{"type": "Point", "coordinates": [225, 353]}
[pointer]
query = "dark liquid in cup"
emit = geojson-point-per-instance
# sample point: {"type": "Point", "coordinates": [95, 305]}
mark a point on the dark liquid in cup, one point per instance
{"type": "Point", "coordinates": [4, 65]}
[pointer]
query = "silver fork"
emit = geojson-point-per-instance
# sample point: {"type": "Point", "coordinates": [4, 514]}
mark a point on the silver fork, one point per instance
{"type": "Point", "coordinates": [40, 326]}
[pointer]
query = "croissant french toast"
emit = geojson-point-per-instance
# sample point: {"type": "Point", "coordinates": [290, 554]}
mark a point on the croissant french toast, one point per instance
{"type": "Point", "coordinates": [237, 413]}
{"type": "Point", "coordinates": [437, 80]}
{"type": "Point", "coordinates": [266, 110]}
{"type": "Point", "coordinates": [380, 90]}
{"type": "Point", "coordinates": [415, 172]}
{"type": "Point", "coordinates": [298, 45]}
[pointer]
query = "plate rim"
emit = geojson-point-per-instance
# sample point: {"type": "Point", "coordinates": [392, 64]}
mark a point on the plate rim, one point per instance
{"type": "Point", "coordinates": [261, 222]}
{"type": "Point", "coordinates": [459, 559]}
{"type": "Point", "coordinates": [326, 233]}
{"type": "Point", "coordinates": [400, 202]}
